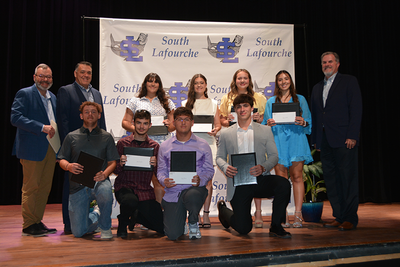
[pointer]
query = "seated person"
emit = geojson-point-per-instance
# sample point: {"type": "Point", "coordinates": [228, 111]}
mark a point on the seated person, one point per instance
{"type": "Point", "coordinates": [97, 142]}
{"type": "Point", "coordinates": [180, 198]}
{"type": "Point", "coordinates": [132, 188]}
{"type": "Point", "coordinates": [247, 136]}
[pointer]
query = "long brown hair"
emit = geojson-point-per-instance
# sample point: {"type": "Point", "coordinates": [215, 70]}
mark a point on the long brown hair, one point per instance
{"type": "Point", "coordinates": [234, 91]}
{"type": "Point", "coordinates": [292, 88]}
{"type": "Point", "coordinates": [192, 94]}
{"type": "Point", "coordinates": [160, 92]}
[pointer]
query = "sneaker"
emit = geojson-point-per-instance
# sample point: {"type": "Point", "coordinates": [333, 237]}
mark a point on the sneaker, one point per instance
{"type": "Point", "coordinates": [34, 230]}
{"type": "Point", "coordinates": [106, 234]}
{"type": "Point", "coordinates": [96, 209]}
{"type": "Point", "coordinates": [194, 231]}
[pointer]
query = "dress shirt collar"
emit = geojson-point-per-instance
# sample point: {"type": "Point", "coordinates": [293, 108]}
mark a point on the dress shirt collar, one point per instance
{"type": "Point", "coordinates": [192, 138]}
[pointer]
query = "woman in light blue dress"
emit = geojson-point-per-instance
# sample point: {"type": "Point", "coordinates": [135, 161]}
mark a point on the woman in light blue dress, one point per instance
{"type": "Point", "coordinates": [291, 140]}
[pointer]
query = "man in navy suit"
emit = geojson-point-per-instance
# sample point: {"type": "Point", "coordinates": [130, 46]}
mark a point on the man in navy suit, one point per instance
{"type": "Point", "coordinates": [32, 111]}
{"type": "Point", "coordinates": [336, 108]}
{"type": "Point", "coordinates": [69, 99]}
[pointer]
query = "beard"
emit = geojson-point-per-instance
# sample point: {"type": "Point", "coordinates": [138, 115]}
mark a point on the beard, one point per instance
{"type": "Point", "coordinates": [39, 85]}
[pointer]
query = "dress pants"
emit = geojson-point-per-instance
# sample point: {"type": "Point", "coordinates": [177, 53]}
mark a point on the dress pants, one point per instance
{"type": "Point", "coordinates": [36, 186]}
{"type": "Point", "coordinates": [340, 166]}
{"type": "Point", "coordinates": [267, 186]}
{"type": "Point", "coordinates": [192, 200]}
{"type": "Point", "coordinates": [149, 212]}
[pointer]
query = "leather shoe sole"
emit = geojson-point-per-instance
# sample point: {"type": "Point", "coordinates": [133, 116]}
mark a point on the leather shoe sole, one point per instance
{"type": "Point", "coordinates": [346, 226]}
{"type": "Point", "coordinates": [220, 205]}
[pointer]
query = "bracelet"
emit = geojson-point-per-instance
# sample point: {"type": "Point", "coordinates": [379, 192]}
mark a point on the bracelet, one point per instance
{"type": "Point", "coordinates": [66, 166]}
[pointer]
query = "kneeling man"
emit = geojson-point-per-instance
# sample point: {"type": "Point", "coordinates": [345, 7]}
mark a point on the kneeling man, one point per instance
{"type": "Point", "coordinates": [132, 188]}
{"type": "Point", "coordinates": [247, 136]}
{"type": "Point", "coordinates": [97, 142]}
{"type": "Point", "coordinates": [181, 198]}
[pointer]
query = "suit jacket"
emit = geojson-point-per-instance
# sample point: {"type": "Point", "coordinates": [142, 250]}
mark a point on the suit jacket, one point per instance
{"type": "Point", "coordinates": [341, 117]}
{"type": "Point", "coordinates": [69, 99]}
{"type": "Point", "coordinates": [264, 143]}
{"type": "Point", "coordinates": [29, 115]}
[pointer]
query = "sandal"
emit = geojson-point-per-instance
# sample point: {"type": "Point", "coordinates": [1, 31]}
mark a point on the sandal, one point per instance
{"type": "Point", "coordinates": [298, 219]}
{"type": "Point", "coordinates": [206, 225]}
{"type": "Point", "coordinates": [258, 223]}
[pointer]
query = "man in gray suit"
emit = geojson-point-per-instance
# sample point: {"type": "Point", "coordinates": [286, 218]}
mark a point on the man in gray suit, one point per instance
{"type": "Point", "coordinates": [244, 137]}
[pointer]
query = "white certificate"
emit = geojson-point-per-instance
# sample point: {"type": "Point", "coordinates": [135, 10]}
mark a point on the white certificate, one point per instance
{"type": "Point", "coordinates": [284, 117]}
{"type": "Point", "coordinates": [157, 120]}
{"type": "Point", "coordinates": [137, 161]}
{"type": "Point", "coordinates": [202, 127]}
{"type": "Point", "coordinates": [55, 140]}
{"type": "Point", "coordinates": [182, 177]}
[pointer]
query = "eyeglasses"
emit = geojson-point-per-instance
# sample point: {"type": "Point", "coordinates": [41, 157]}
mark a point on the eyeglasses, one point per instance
{"type": "Point", "coordinates": [187, 119]}
{"type": "Point", "coordinates": [41, 76]}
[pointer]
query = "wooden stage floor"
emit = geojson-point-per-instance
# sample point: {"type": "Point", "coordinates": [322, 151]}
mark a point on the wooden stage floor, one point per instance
{"type": "Point", "coordinates": [376, 238]}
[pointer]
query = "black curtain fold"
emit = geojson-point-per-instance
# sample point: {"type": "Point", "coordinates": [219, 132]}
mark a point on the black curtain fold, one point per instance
{"type": "Point", "coordinates": [362, 32]}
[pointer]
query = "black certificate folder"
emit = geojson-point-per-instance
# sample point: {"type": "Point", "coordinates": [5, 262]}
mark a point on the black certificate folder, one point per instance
{"type": "Point", "coordinates": [183, 161]}
{"type": "Point", "coordinates": [182, 166]}
{"type": "Point", "coordinates": [286, 107]}
{"type": "Point", "coordinates": [91, 166]}
{"type": "Point", "coordinates": [243, 163]}
{"type": "Point", "coordinates": [138, 158]}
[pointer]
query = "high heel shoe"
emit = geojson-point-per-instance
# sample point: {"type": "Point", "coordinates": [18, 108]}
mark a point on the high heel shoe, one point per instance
{"type": "Point", "coordinates": [298, 219]}
{"type": "Point", "coordinates": [258, 223]}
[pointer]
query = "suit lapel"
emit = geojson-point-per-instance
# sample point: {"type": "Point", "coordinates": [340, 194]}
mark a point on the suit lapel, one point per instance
{"type": "Point", "coordinates": [79, 93]}
{"type": "Point", "coordinates": [37, 97]}
{"type": "Point", "coordinates": [333, 87]}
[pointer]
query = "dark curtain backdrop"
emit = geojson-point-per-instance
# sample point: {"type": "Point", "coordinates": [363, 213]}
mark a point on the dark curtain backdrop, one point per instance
{"type": "Point", "coordinates": [362, 32]}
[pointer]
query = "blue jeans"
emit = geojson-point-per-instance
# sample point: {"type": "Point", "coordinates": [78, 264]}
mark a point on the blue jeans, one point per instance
{"type": "Point", "coordinates": [82, 220]}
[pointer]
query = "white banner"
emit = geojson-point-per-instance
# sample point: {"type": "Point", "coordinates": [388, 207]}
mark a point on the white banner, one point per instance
{"type": "Point", "coordinates": [176, 50]}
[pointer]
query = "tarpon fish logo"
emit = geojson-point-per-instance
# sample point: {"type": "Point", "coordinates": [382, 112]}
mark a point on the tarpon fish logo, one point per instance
{"type": "Point", "coordinates": [178, 93]}
{"type": "Point", "coordinates": [225, 49]}
{"type": "Point", "coordinates": [129, 49]}
{"type": "Point", "coordinates": [268, 91]}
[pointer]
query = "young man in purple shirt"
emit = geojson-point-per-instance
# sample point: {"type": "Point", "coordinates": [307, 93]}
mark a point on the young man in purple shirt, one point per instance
{"type": "Point", "coordinates": [180, 198]}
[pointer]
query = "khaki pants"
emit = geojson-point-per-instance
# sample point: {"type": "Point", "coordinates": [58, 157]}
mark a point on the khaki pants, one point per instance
{"type": "Point", "coordinates": [38, 177]}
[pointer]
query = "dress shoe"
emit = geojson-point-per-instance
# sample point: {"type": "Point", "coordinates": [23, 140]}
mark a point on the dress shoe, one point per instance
{"type": "Point", "coordinates": [278, 231]}
{"type": "Point", "coordinates": [33, 230]}
{"type": "Point", "coordinates": [332, 224]}
{"type": "Point", "coordinates": [221, 205]}
{"type": "Point", "coordinates": [48, 230]}
{"type": "Point", "coordinates": [346, 226]}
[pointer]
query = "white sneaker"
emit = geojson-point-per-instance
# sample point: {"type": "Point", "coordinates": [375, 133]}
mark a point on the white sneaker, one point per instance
{"type": "Point", "coordinates": [96, 209]}
{"type": "Point", "coordinates": [106, 234]}
{"type": "Point", "coordinates": [194, 231]}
